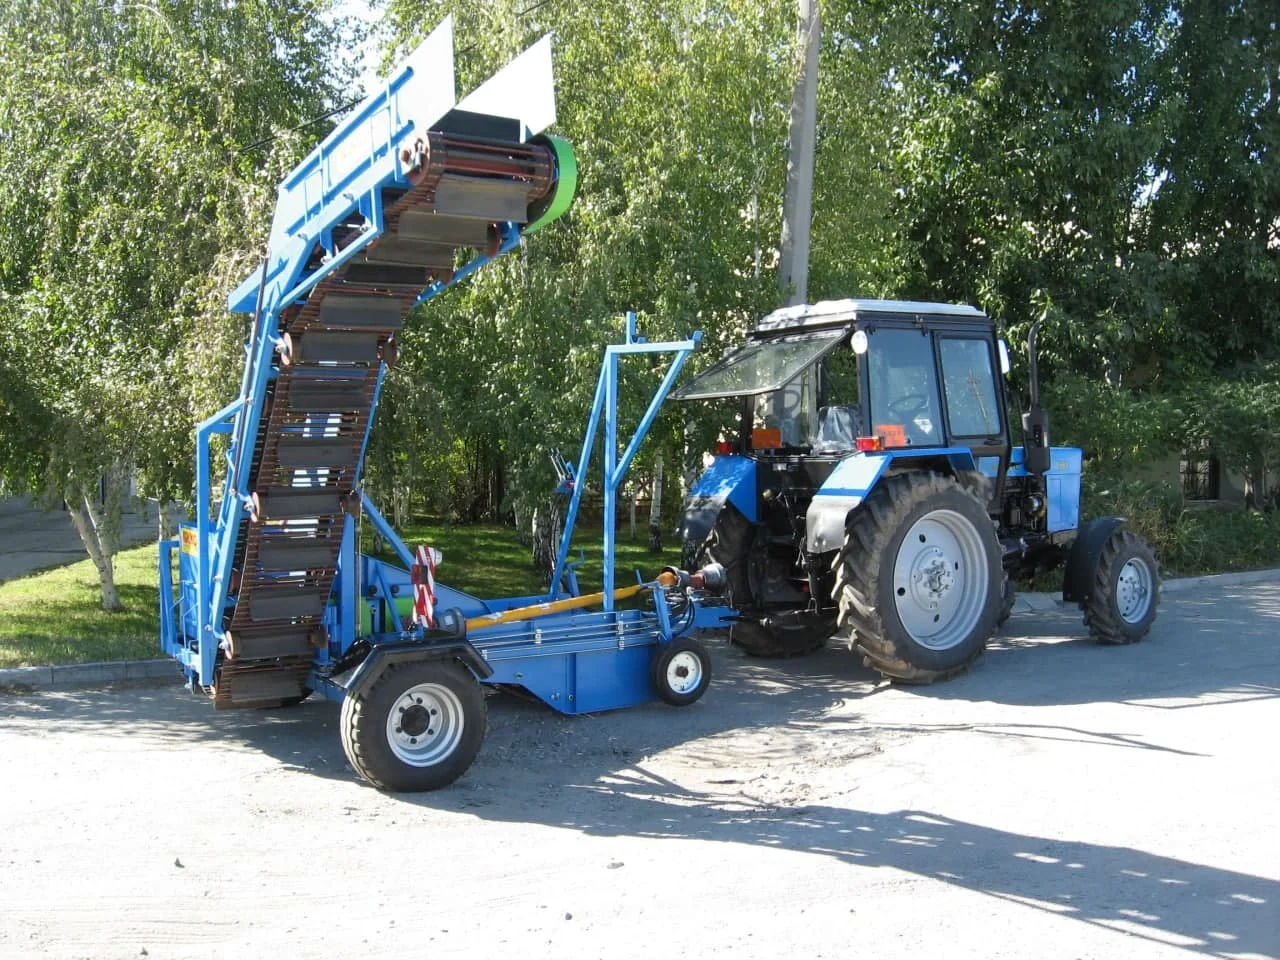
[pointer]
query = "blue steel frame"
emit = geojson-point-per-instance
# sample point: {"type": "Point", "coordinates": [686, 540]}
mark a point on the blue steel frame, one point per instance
{"type": "Point", "coordinates": [345, 175]}
{"type": "Point", "coordinates": [614, 468]}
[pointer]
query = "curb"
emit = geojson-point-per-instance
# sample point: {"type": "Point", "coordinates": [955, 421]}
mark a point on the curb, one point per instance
{"type": "Point", "coordinates": [72, 675]}
{"type": "Point", "coordinates": [24, 679]}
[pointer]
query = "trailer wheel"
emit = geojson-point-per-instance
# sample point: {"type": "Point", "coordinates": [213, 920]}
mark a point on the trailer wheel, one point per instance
{"type": "Point", "coordinates": [418, 726]}
{"type": "Point", "coordinates": [1122, 604]}
{"type": "Point", "coordinates": [761, 633]}
{"type": "Point", "coordinates": [681, 672]}
{"type": "Point", "coordinates": [919, 577]}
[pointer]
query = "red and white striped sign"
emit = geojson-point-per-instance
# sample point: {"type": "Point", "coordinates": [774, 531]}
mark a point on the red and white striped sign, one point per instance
{"type": "Point", "coordinates": [423, 576]}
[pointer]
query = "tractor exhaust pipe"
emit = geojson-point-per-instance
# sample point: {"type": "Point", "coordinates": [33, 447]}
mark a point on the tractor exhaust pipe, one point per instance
{"type": "Point", "coordinates": [1035, 422]}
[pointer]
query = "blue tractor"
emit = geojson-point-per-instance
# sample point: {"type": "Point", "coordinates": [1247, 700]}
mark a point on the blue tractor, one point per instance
{"type": "Point", "coordinates": [871, 487]}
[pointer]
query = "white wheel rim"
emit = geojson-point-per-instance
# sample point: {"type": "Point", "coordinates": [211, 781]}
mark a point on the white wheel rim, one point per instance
{"type": "Point", "coordinates": [940, 580]}
{"type": "Point", "coordinates": [684, 672]}
{"type": "Point", "coordinates": [1133, 590]}
{"type": "Point", "coordinates": [425, 724]}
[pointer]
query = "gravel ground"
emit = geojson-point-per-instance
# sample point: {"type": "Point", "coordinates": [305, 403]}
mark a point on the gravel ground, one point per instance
{"type": "Point", "coordinates": [1059, 801]}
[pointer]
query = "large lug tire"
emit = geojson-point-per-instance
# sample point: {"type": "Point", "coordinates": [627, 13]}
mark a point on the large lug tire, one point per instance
{"type": "Point", "coordinates": [417, 727]}
{"type": "Point", "coordinates": [1008, 597]}
{"type": "Point", "coordinates": [774, 633]}
{"type": "Point", "coordinates": [919, 580]}
{"type": "Point", "coordinates": [1125, 591]}
{"type": "Point", "coordinates": [681, 672]}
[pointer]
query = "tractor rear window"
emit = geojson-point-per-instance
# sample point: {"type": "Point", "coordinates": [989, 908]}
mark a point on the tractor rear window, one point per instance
{"type": "Point", "coordinates": [759, 367]}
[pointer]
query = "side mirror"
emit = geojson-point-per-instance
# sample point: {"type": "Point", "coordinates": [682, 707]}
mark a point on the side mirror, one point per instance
{"type": "Point", "coordinates": [1004, 356]}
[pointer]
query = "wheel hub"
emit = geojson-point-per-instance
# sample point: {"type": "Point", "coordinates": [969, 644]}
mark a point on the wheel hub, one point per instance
{"type": "Point", "coordinates": [940, 579]}
{"type": "Point", "coordinates": [1133, 591]}
{"type": "Point", "coordinates": [414, 721]}
{"type": "Point", "coordinates": [425, 724]}
{"type": "Point", "coordinates": [684, 672]}
{"type": "Point", "coordinates": [932, 577]}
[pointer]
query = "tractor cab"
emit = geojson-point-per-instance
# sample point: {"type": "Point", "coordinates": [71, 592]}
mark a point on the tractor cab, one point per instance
{"type": "Point", "coordinates": [819, 383]}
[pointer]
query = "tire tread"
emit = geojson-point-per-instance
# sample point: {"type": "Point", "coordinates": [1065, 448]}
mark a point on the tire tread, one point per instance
{"type": "Point", "coordinates": [868, 535]}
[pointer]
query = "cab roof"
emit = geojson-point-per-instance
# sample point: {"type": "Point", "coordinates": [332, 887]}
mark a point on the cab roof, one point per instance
{"type": "Point", "coordinates": [829, 312]}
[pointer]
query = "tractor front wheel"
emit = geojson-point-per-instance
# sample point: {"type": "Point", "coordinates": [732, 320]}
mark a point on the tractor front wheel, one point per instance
{"type": "Point", "coordinates": [919, 580]}
{"type": "Point", "coordinates": [761, 632]}
{"type": "Point", "coordinates": [1122, 604]}
{"type": "Point", "coordinates": [417, 727]}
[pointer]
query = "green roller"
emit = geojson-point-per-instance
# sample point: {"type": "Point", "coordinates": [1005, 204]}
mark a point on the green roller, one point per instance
{"type": "Point", "coordinates": [404, 608]}
{"type": "Point", "coordinates": [560, 198]}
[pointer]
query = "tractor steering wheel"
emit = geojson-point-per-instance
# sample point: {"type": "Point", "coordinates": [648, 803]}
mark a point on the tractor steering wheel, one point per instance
{"type": "Point", "coordinates": [907, 404]}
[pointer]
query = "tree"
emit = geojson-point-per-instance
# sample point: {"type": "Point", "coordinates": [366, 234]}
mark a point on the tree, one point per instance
{"type": "Point", "coordinates": [1106, 167]}
{"type": "Point", "coordinates": [677, 112]}
{"type": "Point", "coordinates": [121, 134]}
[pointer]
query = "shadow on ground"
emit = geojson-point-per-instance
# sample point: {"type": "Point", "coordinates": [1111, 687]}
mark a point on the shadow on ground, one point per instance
{"type": "Point", "coordinates": [592, 774]}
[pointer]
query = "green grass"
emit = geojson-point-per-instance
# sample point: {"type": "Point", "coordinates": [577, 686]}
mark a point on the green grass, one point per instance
{"type": "Point", "coordinates": [486, 560]}
{"type": "Point", "coordinates": [57, 617]}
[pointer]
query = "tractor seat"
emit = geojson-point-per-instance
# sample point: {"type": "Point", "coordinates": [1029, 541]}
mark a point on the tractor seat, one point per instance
{"type": "Point", "coordinates": [838, 429]}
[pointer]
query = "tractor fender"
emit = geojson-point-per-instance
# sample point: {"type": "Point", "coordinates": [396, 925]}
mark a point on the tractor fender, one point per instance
{"type": "Point", "coordinates": [1077, 578]}
{"type": "Point", "coordinates": [856, 476]}
{"type": "Point", "coordinates": [845, 488]}
{"type": "Point", "coordinates": [729, 479]}
{"type": "Point", "coordinates": [383, 655]}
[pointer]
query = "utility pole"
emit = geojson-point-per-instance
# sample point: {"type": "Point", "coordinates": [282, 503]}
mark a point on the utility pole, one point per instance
{"type": "Point", "coordinates": [793, 267]}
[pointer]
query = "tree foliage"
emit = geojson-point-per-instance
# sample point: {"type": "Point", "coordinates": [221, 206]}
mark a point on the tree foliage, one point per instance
{"type": "Point", "coordinates": [122, 131]}
{"type": "Point", "coordinates": [678, 116]}
{"type": "Point", "coordinates": [1107, 168]}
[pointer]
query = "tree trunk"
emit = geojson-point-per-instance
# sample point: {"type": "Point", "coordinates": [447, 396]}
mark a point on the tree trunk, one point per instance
{"type": "Point", "coordinates": [98, 541]}
{"type": "Point", "coordinates": [1254, 486]}
{"type": "Point", "coordinates": [166, 526]}
{"type": "Point", "coordinates": [635, 498]}
{"type": "Point", "coordinates": [655, 508]}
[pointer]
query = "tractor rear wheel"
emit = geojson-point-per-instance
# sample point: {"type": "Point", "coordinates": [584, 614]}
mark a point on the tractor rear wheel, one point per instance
{"type": "Point", "coordinates": [1122, 604]}
{"type": "Point", "coordinates": [417, 727]}
{"type": "Point", "coordinates": [761, 632]}
{"type": "Point", "coordinates": [919, 580]}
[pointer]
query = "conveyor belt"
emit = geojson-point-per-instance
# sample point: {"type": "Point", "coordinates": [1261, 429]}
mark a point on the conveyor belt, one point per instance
{"type": "Point", "coordinates": [317, 412]}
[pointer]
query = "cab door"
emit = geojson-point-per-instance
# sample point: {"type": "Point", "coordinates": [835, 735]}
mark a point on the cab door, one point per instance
{"type": "Point", "coordinates": [973, 402]}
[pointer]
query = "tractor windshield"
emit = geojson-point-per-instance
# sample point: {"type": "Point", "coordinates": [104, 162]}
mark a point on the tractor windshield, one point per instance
{"type": "Point", "coordinates": [760, 367]}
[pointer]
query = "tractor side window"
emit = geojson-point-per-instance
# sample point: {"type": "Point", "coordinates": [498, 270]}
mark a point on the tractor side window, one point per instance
{"type": "Point", "coordinates": [840, 377]}
{"type": "Point", "coordinates": [969, 383]}
{"type": "Point", "coordinates": [904, 388]}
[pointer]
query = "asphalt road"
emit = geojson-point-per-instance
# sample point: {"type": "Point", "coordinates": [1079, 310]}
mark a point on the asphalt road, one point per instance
{"type": "Point", "coordinates": [33, 539]}
{"type": "Point", "coordinates": [1059, 801]}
